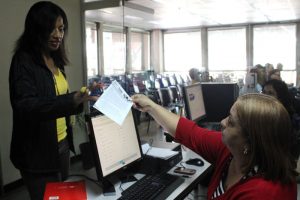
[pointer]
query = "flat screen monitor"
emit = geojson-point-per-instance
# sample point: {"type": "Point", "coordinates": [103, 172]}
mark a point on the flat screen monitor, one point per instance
{"type": "Point", "coordinates": [219, 98]}
{"type": "Point", "coordinates": [115, 148]}
{"type": "Point", "coordinates": [193, 101]}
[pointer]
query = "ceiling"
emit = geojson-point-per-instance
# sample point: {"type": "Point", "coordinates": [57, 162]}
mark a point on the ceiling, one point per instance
{"type": "Point", "coordinates": [168, 14]}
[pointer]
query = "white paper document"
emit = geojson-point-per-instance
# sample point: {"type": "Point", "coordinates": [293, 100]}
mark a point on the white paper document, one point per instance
{"type": "Point", "coordinates": [114, 103]}
{"type": "Point", "coordinates": [158, 152]}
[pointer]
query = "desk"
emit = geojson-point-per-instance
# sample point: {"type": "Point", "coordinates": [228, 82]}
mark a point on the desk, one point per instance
{"type": "Point", "coordinates": [94, 192]}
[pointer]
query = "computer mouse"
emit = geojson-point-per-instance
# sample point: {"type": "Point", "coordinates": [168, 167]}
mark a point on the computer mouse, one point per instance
{"type": "Point", "coordinates": [195, 161]}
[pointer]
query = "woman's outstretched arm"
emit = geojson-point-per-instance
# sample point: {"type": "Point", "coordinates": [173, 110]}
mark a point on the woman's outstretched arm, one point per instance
{"type": "Point", "coordinates": [163, 117]}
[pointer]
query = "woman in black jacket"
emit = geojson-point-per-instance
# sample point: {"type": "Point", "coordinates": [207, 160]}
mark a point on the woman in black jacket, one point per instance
{"type": "Point", "coordinates": [40, 99]}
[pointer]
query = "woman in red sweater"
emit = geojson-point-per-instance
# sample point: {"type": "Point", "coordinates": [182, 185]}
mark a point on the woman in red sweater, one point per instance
{"type": "Point", "coordinates": [251, 155]}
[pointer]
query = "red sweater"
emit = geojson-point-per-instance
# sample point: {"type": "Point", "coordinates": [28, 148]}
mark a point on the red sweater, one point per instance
{"type": "Point", "coordinates": [209, 145]}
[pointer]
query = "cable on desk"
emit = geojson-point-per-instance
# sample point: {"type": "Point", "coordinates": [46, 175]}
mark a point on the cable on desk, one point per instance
{"type": "Point", "coordinates": [181, 165]}
{"type": "Point", "coordinates": [120, 187]}
{"type": "Point", "coordinates": [150, 144]}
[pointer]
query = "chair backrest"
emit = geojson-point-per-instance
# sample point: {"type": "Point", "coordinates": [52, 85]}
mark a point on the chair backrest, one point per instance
{"type": "Point", "coordinates": [165, 82]}
{"type": "Point", "coordinates": [174, 93]}
{"type": "Point", "coordinates": [178, 79]}
{"type": "Point", "coordinates": [164, 96]}
{"type": "Point", "coordinates": [158, 83]}
{"type": "Point", "coordinates": [154, 96]}
{"type": "Point", "coordinates": [148, 84]}
{"type": "Point", "coordinates": [173, 80]}
{"type": "Point", "coordinates": [136, 89]}
{"type": "Point", "coordinates": [138, 85]}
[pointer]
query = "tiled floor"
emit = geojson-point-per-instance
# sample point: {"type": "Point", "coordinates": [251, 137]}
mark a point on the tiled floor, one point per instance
{"type": "Point", "coordinates": [22, 194]}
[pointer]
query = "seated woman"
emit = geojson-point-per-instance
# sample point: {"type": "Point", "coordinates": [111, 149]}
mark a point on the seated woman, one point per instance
{"type": "Point", "coordinates": [194, 74]}
{"type": "Point", "coordinates": [279, 90]}
{"type": "Point", "coordinates": [274, 74]}
{"type": "Point", "coordinates": [251, 155]}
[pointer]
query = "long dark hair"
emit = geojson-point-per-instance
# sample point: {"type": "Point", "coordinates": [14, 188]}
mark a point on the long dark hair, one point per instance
{"type": "Point", "coordinates": [283, 94]}
{"type": "Point", "coordinates": [39, 23]}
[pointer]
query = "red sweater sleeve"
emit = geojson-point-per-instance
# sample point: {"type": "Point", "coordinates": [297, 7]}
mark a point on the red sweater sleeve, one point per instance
{"type": "Point", "coordinates": [205, 142]}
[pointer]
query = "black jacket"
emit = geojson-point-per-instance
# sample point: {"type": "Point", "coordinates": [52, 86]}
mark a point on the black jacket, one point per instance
{"type": "Point", "coordinates": [34, 145]}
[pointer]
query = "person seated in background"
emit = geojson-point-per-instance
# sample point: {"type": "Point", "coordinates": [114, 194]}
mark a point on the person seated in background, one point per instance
{"type": "Point", "coordinates": [268, 68]}
{"type": "Point", "coordinates": [279, 66]}
{"type": "Point", "coordinates": [205, 77]}
{"type": "Point", "coordinates": [261, 76]}
{"type": "Point", "coordinates": [251, 156]}
{"type": "Point", "coordinates": [274, 74]}
{"type": "Point", "coordinates": [279, 90]}
{"type": "Point", "coordinates": [254, 80]}
{"type": "Point", "coordinates": [194, 74]}
{"type": "Point", "coordinates": [96, 88]}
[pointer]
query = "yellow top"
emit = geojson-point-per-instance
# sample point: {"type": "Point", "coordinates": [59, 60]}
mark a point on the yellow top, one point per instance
{"type": "Point", "coordinates": [61, 87]}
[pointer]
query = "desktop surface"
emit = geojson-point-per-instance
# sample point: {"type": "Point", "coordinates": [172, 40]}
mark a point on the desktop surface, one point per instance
{"type": "Point", "coordinates": [94, 191]}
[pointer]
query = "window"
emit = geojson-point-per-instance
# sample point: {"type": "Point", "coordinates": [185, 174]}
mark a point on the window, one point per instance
{"type": "Point", "coordinates": [182, 51]}
{"type": "Point", "coordinates": [114, 52]}
{"type": "Point", "coordinates": [91, 49]}
{"type": "Point", "coordinates": [227, 50]}
{"type": "Point", "coordinates": [276, 44]}
{"type": "Point", "coordinates": [140, 51]}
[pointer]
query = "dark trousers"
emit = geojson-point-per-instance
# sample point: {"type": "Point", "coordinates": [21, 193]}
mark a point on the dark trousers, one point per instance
{"type": "Point", "coordinates": [36, 182]}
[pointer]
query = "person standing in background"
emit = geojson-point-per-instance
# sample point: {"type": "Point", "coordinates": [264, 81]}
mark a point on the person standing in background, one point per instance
{"type": "Point", "coordinates": [41, 101]}
{"type": "Point", "coordinates": [195, 75]}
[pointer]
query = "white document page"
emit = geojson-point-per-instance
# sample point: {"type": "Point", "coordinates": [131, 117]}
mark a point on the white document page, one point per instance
{"type": "Point", "coordinates": [114, 103]}
{"type": "Point", "coordinates": [158, 152]}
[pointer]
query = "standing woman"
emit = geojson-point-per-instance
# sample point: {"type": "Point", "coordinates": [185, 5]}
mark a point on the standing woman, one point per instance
{"type": "Point", "coordinates": [40, 99]}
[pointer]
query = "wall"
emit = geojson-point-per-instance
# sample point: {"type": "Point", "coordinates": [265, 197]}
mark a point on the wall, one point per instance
{"type": "Point", "coordinates": [12, 17]}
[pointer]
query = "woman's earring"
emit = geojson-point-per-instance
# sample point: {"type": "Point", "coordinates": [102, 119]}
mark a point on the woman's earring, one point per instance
{"type": "Point", "coordinates": [245, 152]}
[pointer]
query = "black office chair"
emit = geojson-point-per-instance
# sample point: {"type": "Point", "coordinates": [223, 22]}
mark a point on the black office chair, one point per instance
{"type": "Point", "coordinates": [164, 96]}
{"type": "Point", "coordinates": [158, 83]}
{"type": "Point", "coordinates": [138, 86]}
{"type": "Point", "coordinates": [165, 82]}
{"type": "Point", "coordinates": [174, 93]}
{"type": "Point", "coordinates": [172, 80]}
{"type": "Point", "coordinates": [152, 93]}
{"type": "Point", "coordinates": [166, 101]}
{"type": "Point", "coordinates": [178, 79]}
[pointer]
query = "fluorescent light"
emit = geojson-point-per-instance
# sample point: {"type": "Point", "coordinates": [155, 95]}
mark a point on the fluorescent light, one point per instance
{"type": "Point", "coordinates": [154, 22]}
{"type": "Point", "coordinates": [138, 7]}
{"type": "Point", "coordinates": [106, 11]}
{"type": "Point", "coordinates": [133, 17]}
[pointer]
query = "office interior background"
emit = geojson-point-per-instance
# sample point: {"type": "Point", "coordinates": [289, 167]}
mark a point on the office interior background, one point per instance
{"type": "Point", "coordinates": [112, 38]}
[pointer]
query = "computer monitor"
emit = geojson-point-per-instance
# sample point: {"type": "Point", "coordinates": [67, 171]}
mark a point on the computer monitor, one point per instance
{"type": "Point", "coordinates": [218, 99]}
{"type": "Point", "coordinates": [193, 102]}
{"type": "Point", "coordinates": [115, 148]}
